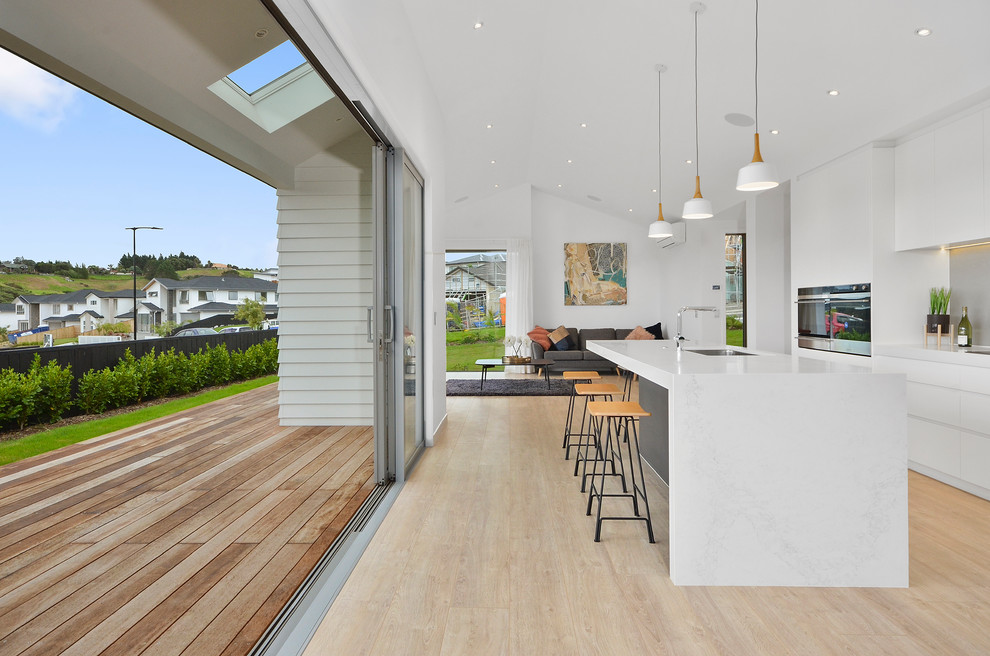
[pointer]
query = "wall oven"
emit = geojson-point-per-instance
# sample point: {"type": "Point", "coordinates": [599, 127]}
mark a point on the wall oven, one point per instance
{"type": "Point", "coordinates": [835, 318]}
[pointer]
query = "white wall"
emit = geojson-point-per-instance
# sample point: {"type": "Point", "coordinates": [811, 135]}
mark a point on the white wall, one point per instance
{"type": "Point", "coordinates": [768, 270]}
{"type": "Point", "coordinates": [490, 222]}
{"type": "Point", "coordinates": [556, 221]}
{"type": "Point", "coordinates": [326, 260]}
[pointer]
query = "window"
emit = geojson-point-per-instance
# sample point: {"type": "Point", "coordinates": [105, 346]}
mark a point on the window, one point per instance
{"type": "Point", "coordinates": [184, 296]}
{"type": "Point", "coordinates": [56, 308]}
{"type": "Point", "coordinates": [735, 290]}
{"type": "Point", "coordinates": [22, 325]}
{"type": "Point", "coordinates": [69, 307]}
{"type": "Point", "coordinates": [152, 294]}
{"type": "Point", "coordinates": [202, 296]}
{"type": "Point", "coordinates": [231, 296]}
{"type": "Point", "coordinates": [93, 302]}
{"type": "Point", "coordinates": [263, 297]}
{"type": "Point", "coordinates": [19, 309]}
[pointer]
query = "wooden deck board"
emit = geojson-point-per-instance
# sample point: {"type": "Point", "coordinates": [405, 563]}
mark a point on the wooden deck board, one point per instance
{"type": "Point", "coordinates": [118, 544]}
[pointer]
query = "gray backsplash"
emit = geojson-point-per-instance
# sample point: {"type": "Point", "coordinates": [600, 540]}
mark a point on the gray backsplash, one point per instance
{"type": "Point", "coordinates": [969, 275]}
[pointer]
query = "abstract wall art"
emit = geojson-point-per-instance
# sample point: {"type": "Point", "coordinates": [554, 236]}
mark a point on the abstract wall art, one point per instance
{"type": "Point", "coordinates": [595, 274]}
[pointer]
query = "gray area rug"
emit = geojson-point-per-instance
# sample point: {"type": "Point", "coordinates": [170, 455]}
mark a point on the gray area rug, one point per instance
{"type": "Point", "coordinates": [507, 387]}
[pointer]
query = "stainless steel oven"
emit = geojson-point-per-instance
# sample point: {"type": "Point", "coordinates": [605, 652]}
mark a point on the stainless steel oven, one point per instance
{"type": "Point", "coordinates": [835, 318]}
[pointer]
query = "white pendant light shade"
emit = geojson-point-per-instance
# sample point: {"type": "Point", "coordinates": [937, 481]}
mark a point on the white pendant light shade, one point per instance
{"type": "Point", "coordinates": [756, 176]}
{"type": "Point", "coordinates": [660, 229]}
{"type": "Point", "coordinates": [697, 208]}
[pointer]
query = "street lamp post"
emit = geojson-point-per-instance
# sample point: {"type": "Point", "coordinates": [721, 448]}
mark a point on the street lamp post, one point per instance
{"type": "Point", "coordinates": [134, 270]}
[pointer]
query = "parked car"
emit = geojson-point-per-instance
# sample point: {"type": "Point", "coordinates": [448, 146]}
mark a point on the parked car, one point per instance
{"type": "Point", "coordinates": [236, 329]}
{"type": "Point", "coordinates": [185, 332]}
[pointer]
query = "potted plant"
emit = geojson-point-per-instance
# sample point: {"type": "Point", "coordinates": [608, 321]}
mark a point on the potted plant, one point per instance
{"type": "Point", "coordinates": [938, 308]}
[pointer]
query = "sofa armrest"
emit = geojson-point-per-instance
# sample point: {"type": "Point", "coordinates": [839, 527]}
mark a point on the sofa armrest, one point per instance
{"type": "Point", "coordinates": [537, 351]}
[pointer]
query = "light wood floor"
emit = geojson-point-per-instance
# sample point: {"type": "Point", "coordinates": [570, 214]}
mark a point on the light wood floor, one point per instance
{"type": "Point", "coordinates": [488, 551]}
{"type": "Point", "coordinates": [185, 535]}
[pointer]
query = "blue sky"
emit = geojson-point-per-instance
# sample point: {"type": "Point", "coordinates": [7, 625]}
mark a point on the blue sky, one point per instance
{"type": "Point", "coordinates": [76, 171]}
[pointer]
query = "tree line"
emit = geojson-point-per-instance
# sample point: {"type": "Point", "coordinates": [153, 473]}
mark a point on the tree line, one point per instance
{"type": "Point", "coordinates": [162, 266]}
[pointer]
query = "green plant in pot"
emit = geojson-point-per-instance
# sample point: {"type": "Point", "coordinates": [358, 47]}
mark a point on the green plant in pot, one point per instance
{"type": "Point", "coordinates": [938, 309]}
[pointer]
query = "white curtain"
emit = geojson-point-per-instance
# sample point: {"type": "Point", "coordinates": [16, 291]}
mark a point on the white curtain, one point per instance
{"type": "Point", "coordinates": [519, 290]}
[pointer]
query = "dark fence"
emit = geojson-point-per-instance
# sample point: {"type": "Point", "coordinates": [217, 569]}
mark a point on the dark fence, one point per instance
{"type": "Point", "coordinates": [84, 357]}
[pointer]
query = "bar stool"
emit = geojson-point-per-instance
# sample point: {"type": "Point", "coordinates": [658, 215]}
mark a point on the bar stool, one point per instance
{"type": "Point", "coordinates": [613, 416]}
{"type": "Point", "coordinates": [591, 392]}
{"type": "Point", "coordinates": [575, 377]}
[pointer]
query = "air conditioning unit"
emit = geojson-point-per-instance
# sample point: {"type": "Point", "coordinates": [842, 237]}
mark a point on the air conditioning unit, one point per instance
{"type": "Point", "coordinates": [679, 236]}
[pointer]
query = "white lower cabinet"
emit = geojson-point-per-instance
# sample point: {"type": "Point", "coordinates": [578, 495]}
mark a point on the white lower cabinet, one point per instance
{"type": "Point", "coordinates": [948, 420]}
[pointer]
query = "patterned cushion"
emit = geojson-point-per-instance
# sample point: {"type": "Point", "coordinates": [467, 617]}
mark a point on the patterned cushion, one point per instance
{"type": "Point", "coordinates": [655, 330]}
{"type": "Point", "coordinates": [540, 336]}
{"type": "Point", "coordinates": [640, 333]}
{"type": "Point", "coordinates": [561, 339]}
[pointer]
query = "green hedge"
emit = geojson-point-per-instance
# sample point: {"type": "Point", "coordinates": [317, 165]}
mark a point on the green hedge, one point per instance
{"type": "Point", "coordinates": [45, 393]}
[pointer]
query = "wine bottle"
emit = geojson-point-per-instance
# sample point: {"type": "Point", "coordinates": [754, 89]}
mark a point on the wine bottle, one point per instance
{"type": "Point", "coordinates": [964, 335]}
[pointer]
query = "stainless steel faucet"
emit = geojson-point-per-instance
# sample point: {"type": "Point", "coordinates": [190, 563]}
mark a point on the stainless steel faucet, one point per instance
{"type": "Point", "coordinates": [697, 308]}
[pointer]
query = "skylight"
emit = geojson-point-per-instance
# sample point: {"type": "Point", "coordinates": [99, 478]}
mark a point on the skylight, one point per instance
{"type": "Point", "coordinates": [267, 68]}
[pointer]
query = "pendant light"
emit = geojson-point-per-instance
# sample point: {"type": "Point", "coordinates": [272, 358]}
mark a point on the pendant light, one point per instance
{"type": "Point", "coordinates": [757, 175]}
{"type": "Point", "coordinates": [697, 207]}
{"type": "Point", "coordinates": [660, 229]}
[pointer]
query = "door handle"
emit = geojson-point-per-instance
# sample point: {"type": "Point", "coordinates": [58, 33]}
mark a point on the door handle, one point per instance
{"type": "Point", "coordinates": [389, 323]}
{"type": "Point", "coordinates": [371, 336]}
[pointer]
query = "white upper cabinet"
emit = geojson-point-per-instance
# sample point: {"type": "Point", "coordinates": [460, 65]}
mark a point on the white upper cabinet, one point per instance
{"type": "Point", "coordinates": [959, 180]}
{"type": "Point", "coordinates": [942, 186]}
{"type": "Point", "coordinates": [914, 193]}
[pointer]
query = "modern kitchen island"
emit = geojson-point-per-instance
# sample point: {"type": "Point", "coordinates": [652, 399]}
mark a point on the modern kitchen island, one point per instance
{"type": "Point", "coordinates": [782, 471]}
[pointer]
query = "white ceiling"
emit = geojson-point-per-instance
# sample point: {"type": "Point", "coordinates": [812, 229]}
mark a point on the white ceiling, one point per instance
{"type": "Point", "coordinates": [536, 70]}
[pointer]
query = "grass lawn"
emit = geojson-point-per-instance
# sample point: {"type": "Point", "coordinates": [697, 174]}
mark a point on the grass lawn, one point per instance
{"type": "Point", "coordinates": [50, 440]}
{"type": "Point", "coordinates": [734, 337]}
{"type": "Point", "coordinates": [464, 347]}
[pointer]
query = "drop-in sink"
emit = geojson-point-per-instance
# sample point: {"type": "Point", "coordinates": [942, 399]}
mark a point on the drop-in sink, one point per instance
{"type": "Point", "coordinates": [717, 352]}
{"type": "Point", "coordinates": [979, 352]}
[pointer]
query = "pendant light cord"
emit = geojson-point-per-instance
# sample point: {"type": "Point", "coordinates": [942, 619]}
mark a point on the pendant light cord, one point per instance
{"type": "Point", "coordinates": [659, 137]}
{"type": "Point", "coordinates": [756, 73]}
{"type": "Point", "coordinates": [697, 148]}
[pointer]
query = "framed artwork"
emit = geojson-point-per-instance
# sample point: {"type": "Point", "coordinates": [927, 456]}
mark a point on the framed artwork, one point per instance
{"type": "Point", "coordinates": [595, 274]}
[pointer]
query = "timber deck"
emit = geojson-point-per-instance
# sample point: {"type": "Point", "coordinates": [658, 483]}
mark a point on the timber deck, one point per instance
{"type": "Point", "coordinates": [184, 535]}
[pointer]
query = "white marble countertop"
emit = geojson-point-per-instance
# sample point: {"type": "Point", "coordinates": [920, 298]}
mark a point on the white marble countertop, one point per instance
{"type": "Point", "coordinates": [659, 360]}
{"type": "Point", "coordinates": [963, 356]}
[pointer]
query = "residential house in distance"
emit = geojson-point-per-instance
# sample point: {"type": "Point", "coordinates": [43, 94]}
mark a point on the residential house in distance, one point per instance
{"type": "Point", "coordinates": [84, 308]}
{"type": "Point", "coordinates": [204, 297]}
{"type": "Point", "coordinates": [8, 316]}
{"type": "Point", "coordinates": [270, 274]}
{"type": "Point", "coordinates": [475, 281]}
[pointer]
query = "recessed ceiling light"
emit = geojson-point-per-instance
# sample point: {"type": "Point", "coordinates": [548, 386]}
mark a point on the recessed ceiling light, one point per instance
{"type": "Point", "coordinates": [923, 31]}
{"type": "Point", "coordinates": [478, 25]}
{"type": "Point", "coordinates": [559, 186]}
{"type": "Point", "coordinates": [263, 32]}
{"type": "Point", "coordinates": [630, 209]}
{"type": "Point", "coordinates": [584, 125]}
{"type": "Point", "coordinates": [493, 161]}
{"type": "Point", "coordinates": [496, 186]}
{"type": "Point", "coordinates": [774, 131]}
{"type": "Point", "coordinates": [833, 92]}
{"type": "Point", "coordinates": [654, 191]}
{"type": "Point", "coordinates": [489, 126]}
{"type": "Point", "coordinates": [688, 161]}
{"type": "Point", "coordinates": [570, 161]}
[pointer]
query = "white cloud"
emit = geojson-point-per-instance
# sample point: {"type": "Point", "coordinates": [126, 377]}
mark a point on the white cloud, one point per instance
{"type": "Point", "coordinates": [31, 95]}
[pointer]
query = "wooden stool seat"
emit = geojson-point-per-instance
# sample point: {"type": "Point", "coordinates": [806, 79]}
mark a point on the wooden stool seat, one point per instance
{"type": "Point", "coordinates": [581, 375]}
{"type": "Point", "coordinates": [616, 409]}
{"type": "Point", "coordinates": [596, 389]}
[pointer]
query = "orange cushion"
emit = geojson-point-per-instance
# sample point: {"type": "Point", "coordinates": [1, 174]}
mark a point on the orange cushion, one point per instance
{"type": "Point", "coordinates": [540, 336]}
{"type": "Point", "coordinates": [639, 333]}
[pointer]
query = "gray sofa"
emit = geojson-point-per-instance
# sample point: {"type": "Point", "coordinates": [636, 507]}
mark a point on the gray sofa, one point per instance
{"type": "Point", "coordinates": [579, 358]}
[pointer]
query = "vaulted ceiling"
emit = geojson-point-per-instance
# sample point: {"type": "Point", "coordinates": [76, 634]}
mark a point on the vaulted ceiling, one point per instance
{"type": "Point", "coordinates": [536, 71]}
